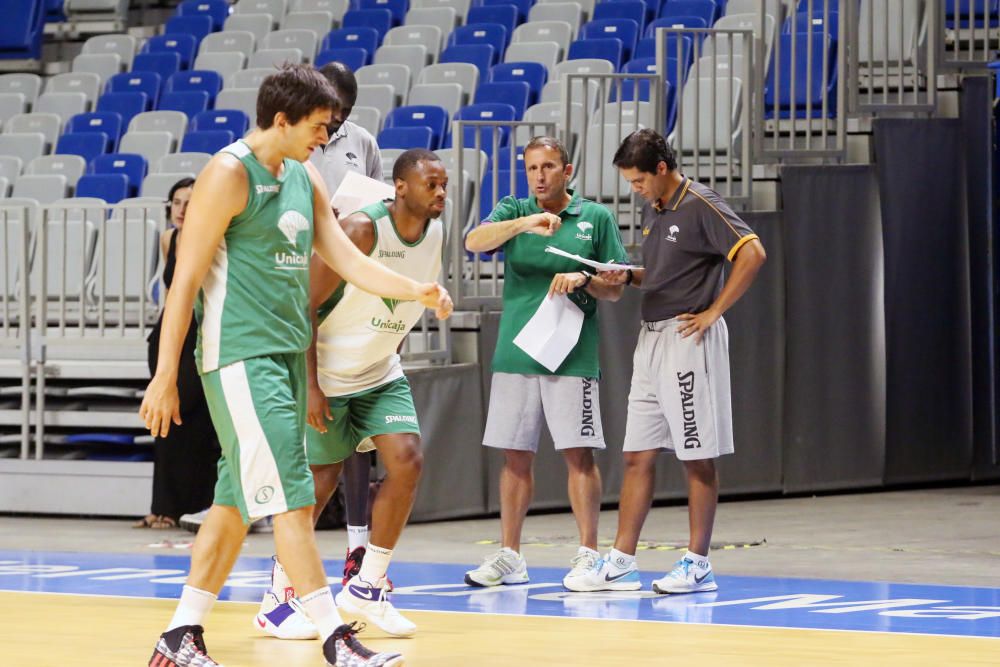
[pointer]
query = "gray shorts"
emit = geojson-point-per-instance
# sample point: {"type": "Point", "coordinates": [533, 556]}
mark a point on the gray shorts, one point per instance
{"type": "Point", "coordinates": [570, 406]}
{"type": "Point", "coordinates": [680, 395]}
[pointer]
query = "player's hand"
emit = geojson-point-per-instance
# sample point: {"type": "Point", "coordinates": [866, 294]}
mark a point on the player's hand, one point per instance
{"type": "Point", "coordinates": [317, 409]}
{"type": "Point", "coordinates": [160, 406]}
{"type": "Point", "coordinates": [564, 283]}
{"type": "Point", "coordinates": [696, 324]}
{"type": "Point", "coordinates": [543, 224]}
{"type": "Point", "coordinates": [614, 277]}
{"type": "Point", "coordinates": [436, 297]}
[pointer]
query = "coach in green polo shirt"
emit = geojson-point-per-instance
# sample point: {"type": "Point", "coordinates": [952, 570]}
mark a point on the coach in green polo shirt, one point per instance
{"type": "Point", "coordinates": [524, 392]}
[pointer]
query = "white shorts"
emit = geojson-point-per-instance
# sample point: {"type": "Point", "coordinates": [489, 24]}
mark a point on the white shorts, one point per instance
{"type": "Point", "coordinates": [680, 395]}
{"type": "Point", "coordinates": [570, 406]}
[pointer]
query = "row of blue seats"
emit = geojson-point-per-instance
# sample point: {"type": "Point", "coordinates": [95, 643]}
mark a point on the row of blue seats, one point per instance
{"type": "Point", "coordinates": [21, 31]}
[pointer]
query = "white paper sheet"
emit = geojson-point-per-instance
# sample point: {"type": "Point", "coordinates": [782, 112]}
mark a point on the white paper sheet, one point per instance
{"type": "Point", "coordinates": [357, 191]}
{"type": "Point", "coordinates": [552, 332]}
{"type": "Point", "coordinates": [600, 266]}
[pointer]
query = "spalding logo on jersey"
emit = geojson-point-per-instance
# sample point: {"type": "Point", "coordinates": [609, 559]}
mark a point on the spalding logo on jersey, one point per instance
{"type": "Point", "coordinates": [291, 223]}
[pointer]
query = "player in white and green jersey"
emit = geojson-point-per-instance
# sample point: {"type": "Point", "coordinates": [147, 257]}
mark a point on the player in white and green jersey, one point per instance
{"type": "Point", "coordinates": [357, 390]}
{"type": "Point", "coordinates": [255, 216]}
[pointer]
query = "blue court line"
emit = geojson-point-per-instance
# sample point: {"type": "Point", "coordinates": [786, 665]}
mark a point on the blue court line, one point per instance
{"type": "Point", "coordinates": [818, 604]}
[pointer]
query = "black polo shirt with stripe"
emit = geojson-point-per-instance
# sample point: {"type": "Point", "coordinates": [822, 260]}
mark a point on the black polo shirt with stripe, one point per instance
{"type": "Point", "coordinates": [684, 245]}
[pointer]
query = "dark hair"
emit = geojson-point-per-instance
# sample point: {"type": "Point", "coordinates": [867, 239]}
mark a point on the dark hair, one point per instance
{"type": "Point", "coordinates": [407, 162]}
{"type": "Point", "coordinates": [643, 150]}
{"type": "Point", "coordinates": [185, 182]}
{"type": "Point", "coordinates": [297, 90]}
{"type": "Point", "coordinates": [549, 142]}
{"type": "Point", "coordinates": [342, 79]}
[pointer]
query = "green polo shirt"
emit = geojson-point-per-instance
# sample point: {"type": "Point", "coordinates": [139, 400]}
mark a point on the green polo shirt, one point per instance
{"type": "Point", "coordinates": [588, 230]}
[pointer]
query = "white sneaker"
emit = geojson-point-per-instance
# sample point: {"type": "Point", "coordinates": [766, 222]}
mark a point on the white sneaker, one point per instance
{"type": "Point", "coordinates": [582, 563]}
{"type": "Point", "coordinates": [192, 522]}
{"type": "Point", "coordinates": [604, 576]}
{"type": "Point", "coordinates": [686, 578]}
{"type": "Point", "coordinates": [284, 620]}
{"type": "Point", "coordinates": [504, 567]}
{"type": "Point", "coordinates": [360, 598]}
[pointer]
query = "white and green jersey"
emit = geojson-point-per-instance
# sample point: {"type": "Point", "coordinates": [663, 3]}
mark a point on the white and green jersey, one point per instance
{"type": "Point", "coordinates": [255, 299]}
{"type": "Point", "coordinates": [359, 332]}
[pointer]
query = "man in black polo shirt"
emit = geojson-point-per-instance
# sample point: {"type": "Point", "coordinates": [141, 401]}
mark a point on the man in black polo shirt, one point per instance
{"type": "Point", "coordinates": [680, 397]}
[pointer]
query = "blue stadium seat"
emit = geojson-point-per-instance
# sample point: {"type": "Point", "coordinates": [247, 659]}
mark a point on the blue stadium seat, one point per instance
{"type": "Point", "coordinates": [652, 7]}
{"type": "Point", "coordinates": [648, 66]}
{"type": "Point", "coordinates": [148, 83]}
{"type": "Point", "coordinates": [674, 22]}
{"type": "Point", "coordinates": [106, 123]}
{"type": "Point", "coordinates": [481, 33]}
{"type": "Point", "coordinates": [163, 63]}
{"type": "Point", "coordinates": [352, 38]}
{"type": "Point", "coordinates": [782, 95]}
{"type": "Point", "coordinates": [817, 23]}
{"type": "Point", "coordinates": [87, 145]}
{"type": "Point", "coordinates": [406, 137]}
{"type": "Point", "coordinates": [397, 8]}
{"type": "Point", "coordinates": [505, 15]}
{"type": "Point", "coordinates": [204, 80]}
{"type": "Point", "coordinates": [625, 30]}
{"type": "Point", "coordinates": [189, 102]}
{"type": "Point", "coordinates": [380, 20]}
{"type": "Point", "coordinates": [126, 105]}
{"type": "Point", "coordinates": [504, 159]}
{"type": "Point", "coordinates": [622, 9]}
{"type": "Point", "coordinates": [420, 115]}
{"type": "Point", "coordinates": [533, 74]}
{"type": "Point", "coordinates": [483, 56]}
{"type": "Point", "coordinates": [521, 189]}
{"type": "Point", "coordinates": [131, 165]}
{"type": "Point", "coordinates": [515, 93]}
{"type": "Point", "coordinates": [197, 26]}
{"type": "Point", "coordinates": [706, 9]}
{"type": "Point", "coordinates": [223, 119]}
{"type": "Point", "coordinates": [217, 10]}
{"type": "Point", "coordinates": [609, 49]}
{"type": "Point", "coordinates": [972, 13]}
{"type": "Point", "coordinates": [54, 11]}
{"type": "Point", "coordinates": [185, 46]}
{"type": "Point", "coordinates": [112, 188]}
{"type": "Point", "coordinates": [353, 58]}
{"type": "Point", "coordinates": [675, 42]}
{"type": "Point", "coordinates": [484, 112]}
{"type": "Point", "coordinates": [206, 141]}
{"type": "Point", "coordinates": [21, 33]}
{"type": "Point", "coordinates": [522, 6]}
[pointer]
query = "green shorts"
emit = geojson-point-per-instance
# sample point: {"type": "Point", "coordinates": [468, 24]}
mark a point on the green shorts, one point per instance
{"type": "Point", "coordinates": [258, 407]}
{"type": "Point", "coordinates": [385, 409]}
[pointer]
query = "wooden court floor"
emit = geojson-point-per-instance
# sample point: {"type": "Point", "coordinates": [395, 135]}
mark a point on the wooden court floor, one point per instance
{"type": "Point", "coordinates": [69, 629]}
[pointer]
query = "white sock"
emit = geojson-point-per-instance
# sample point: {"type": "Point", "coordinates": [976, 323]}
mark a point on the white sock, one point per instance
{"type": "Point", "coordinates": [620, 558]}
{"type": "Point", "coordinates": [700, 562]}
{"type": "Point", "coordinates": [192, 608]}
{"type": "Point", "coordinates": [357, 536]}
{"type": "Point", "coordinates": [375, 564]}
{"type": "Point", "coordinates": [322, 611]}
{"type": "Point", "coordinates": [281, 585]}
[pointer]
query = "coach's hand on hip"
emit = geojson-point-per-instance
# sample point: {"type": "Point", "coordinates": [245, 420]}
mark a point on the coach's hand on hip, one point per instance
{"type": "Point", "coordinates": [160, 406]}
{"type": "Point", "coordinates": [697, 324]}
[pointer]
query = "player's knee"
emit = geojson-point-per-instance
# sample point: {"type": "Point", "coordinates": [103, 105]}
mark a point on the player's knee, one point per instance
{"type": "Point", "coordinates": [639, 462]}
{"type": "Point", "coordinates": [703, 470]}
{"type": "Point", "coordinates": [519, 462]}
{"type": "Point", "coordinates": [580, 459]}
{"type": "Point", "coordinates": [407, 461]}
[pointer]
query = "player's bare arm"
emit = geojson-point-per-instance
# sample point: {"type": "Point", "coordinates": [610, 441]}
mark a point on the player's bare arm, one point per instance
{"type": "Point", "coordinates": [336, 249]}
{"type": "Point", "coordinates": [323, 281]}
{"type": "Point", "coordinates": [487, 237]}
{"type": "Point", "coordinates": [219, 194]}
{"type": "Point", "coordinates": [747, 262]}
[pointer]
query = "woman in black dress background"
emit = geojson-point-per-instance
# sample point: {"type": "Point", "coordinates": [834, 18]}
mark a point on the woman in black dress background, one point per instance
{"type": "Point", "coordinates": [184, 463]}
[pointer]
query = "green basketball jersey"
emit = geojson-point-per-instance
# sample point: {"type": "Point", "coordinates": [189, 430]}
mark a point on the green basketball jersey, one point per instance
{"type": "Point", "coordinates": [255, 298]}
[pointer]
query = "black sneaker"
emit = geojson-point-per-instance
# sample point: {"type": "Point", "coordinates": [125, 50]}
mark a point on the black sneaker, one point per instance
{"type": "Point", "coordinates": [342, 649]}
{"type": "Point", "coordinates": [182, 647]}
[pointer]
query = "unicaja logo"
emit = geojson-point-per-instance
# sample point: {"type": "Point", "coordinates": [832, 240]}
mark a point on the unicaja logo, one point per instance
{"type": "Point", "coordinates": [673, 233]}
{"type": "Point", "coordinates": [291, 223]}
{"type": "Point", "coordinates": [584, 230]}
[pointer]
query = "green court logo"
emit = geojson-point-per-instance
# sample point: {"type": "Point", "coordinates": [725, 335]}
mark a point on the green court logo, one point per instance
{"type": "Point", "coordinates": [264, 495]}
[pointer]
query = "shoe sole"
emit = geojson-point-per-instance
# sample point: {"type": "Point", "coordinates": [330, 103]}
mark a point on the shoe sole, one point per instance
{"type": "Point", "coordinates": [264, 626]}
{"type": "Point", "coordinates": [503, 582]}
{"type": "Point", "coordinates": [700, 589]}
{"type": "Point", "coordinates": [625, 586]}
{"type": "Point", "coordinates": [395, 662]}
{"type": "Point", "coordinates": [345, 603]}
